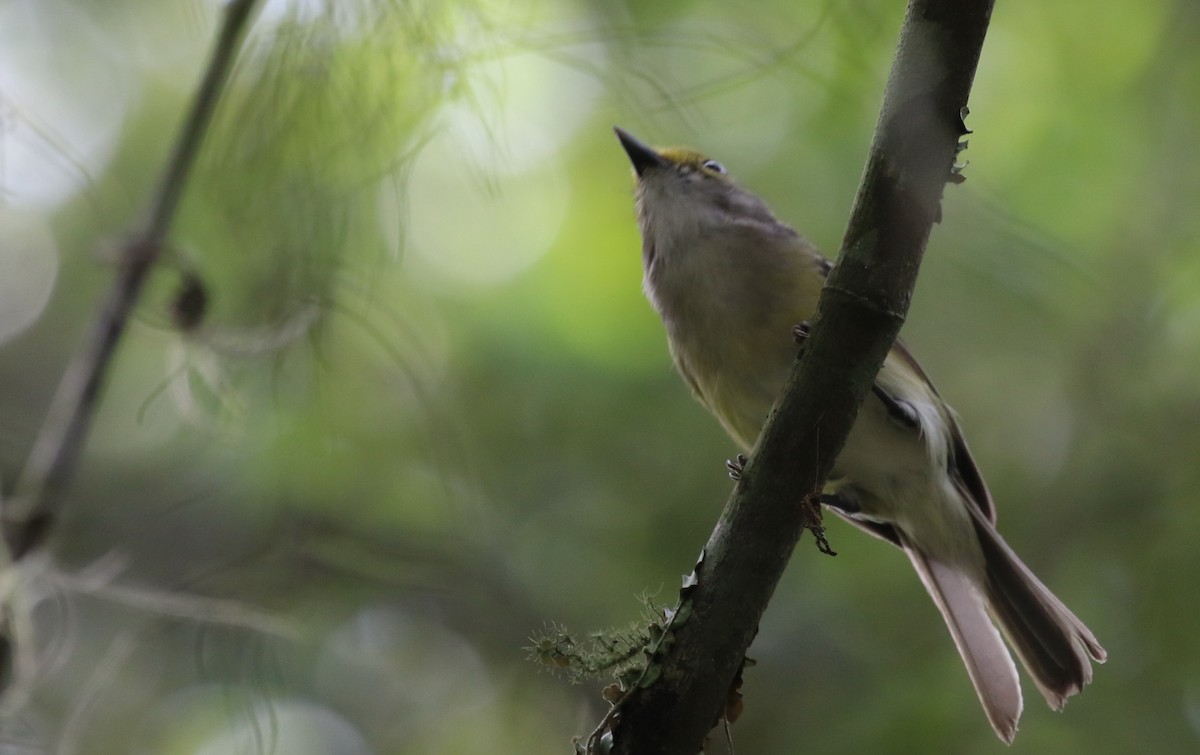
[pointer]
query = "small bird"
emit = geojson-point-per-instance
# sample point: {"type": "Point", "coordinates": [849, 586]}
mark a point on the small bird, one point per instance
{"type": "Point", "coordinates": [731, 284]}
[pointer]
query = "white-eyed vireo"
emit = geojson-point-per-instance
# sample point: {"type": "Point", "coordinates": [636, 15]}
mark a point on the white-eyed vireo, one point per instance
{"type": "Point", "coordinates": [731, 283]}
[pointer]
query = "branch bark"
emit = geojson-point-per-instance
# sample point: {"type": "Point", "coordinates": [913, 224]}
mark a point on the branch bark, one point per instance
{"type": "Point", "coordinates": [861, 310]}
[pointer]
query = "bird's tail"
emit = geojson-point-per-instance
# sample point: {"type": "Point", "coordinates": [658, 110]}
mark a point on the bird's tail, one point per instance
{"type": "Point", "coordinates": [988, 663]}
{"type": "Point", "coordinates": [1054, 646]}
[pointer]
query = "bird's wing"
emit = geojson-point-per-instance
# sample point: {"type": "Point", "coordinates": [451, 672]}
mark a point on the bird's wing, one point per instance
{"type": "Point", "coordinates": [961, 466]}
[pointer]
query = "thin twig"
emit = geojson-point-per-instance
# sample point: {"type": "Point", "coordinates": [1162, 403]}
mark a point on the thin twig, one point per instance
{"type": "Point", "coordinates": [194, 608]}
{"type": "Point", "coordinates": [29, 514]}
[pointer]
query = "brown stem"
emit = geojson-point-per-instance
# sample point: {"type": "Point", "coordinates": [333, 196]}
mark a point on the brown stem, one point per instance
{"type": "Point", "coordinates": [30, 513]}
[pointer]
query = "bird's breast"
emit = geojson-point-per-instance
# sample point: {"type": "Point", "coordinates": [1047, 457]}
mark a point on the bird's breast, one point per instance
{"type": "Point", "coordinates": [729, 318]}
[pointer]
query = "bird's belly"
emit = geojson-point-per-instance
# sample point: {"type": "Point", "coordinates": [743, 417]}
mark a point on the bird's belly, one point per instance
{"type": "Point", "coordinates": [742, 404]}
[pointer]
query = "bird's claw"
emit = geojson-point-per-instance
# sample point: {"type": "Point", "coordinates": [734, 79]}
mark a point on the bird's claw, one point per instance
{"type": "Point", "coordinates": [800, 332]}
{"type": "Point", "coordinates": [736, 466]}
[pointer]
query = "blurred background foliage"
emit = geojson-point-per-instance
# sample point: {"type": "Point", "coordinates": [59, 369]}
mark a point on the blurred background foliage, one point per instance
{"type": "Point", "coordinates": [428, 410]}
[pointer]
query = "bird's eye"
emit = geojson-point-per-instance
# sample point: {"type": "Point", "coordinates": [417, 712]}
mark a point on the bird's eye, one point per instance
{"type": "Point", "coordinates": [714, 166]}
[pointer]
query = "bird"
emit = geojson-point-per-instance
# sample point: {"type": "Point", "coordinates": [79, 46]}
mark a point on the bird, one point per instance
{"type": "Point", "coordinates": [735, 288]}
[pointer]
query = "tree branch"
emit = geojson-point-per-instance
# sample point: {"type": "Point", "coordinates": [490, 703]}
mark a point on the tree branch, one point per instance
{"type": "Point", "coordinates": [29, 514]}
{"type": "Point", "coordinates": [687, 683]}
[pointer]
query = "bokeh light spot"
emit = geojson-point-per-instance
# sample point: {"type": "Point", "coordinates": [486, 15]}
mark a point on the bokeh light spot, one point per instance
{"type": "Point", "coordinates": [29, 259]}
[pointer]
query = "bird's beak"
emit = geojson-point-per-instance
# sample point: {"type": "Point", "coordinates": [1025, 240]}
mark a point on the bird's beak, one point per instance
{"type": "Point", "coordinates": [642, 156]}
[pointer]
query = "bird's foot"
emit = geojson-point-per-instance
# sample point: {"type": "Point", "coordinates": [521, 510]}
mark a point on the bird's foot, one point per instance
{"type": "Point", "coordinates": [736, 466]}
{"type": "Point", "coordinates": [800, 332]}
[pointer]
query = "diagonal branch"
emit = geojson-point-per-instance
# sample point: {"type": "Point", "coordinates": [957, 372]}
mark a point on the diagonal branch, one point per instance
{"type": "Point", "coordinates": [861, 310]}
{"type": "Point", "coordinates": [29, 514]}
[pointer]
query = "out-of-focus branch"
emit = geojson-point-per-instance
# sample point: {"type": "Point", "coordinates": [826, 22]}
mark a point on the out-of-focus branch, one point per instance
{"type": "Point", "coordinates": [29, 513]}
{"type": "Point", "coordinates": [685, 688]}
